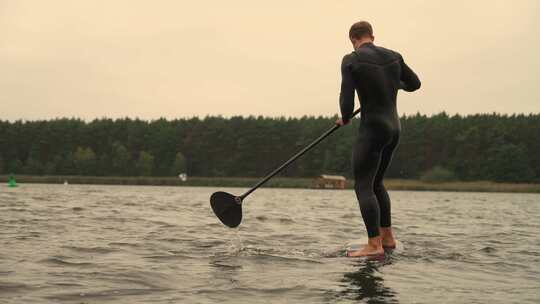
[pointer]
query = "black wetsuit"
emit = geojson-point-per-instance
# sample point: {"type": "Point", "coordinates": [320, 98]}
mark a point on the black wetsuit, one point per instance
{"type": "Point", "coordinates": [377, 74]}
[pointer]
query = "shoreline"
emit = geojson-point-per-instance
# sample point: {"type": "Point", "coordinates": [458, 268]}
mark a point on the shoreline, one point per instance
{"type": "Point", "coordinates": [278, 182]}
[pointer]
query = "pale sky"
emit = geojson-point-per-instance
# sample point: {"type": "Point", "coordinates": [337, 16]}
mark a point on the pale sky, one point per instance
{"type": "Point", "coordinates": [173, 59]}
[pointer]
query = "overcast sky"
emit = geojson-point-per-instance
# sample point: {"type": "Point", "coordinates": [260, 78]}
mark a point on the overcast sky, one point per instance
{"type": "Point", "coordinates": [151, 59]}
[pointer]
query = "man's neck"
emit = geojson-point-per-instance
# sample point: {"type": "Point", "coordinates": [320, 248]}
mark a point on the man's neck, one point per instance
{"type": "Point", "coordinates": [361, 42]}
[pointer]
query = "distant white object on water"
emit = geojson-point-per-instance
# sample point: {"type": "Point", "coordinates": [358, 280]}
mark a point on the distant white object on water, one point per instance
{"type": "Point", "coordinates": [66, 182]}
{"type": "Point", "coordinates": [182, 177]}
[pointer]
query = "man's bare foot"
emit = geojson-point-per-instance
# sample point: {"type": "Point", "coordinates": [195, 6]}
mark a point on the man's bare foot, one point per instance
{"type": "Point", "coordinates": [372, 248]}
{"type": "Point", "coordinates": [388, 240]}
{"type": "Point", "coordinates": [367, 250]}
{"type": "Point", "coordinates": [390, 244]}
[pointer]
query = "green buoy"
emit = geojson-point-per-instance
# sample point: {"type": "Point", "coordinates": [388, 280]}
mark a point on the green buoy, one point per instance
{"type": "Point", "coordinates": [11, 182]}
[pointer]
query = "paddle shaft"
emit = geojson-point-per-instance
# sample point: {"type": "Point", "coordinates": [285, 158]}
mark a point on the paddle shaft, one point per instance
{"type": "Point", "coordinates": [297, 155]}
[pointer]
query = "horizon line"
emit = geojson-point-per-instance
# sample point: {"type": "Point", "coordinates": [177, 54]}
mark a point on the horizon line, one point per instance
{"type": "Point", "coordinates": [257, 116]}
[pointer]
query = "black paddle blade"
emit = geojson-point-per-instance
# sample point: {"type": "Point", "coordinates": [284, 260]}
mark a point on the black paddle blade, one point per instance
{"type": "Point", "coordinates": [226, 208]}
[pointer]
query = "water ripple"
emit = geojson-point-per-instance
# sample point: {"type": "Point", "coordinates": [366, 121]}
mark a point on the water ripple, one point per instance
{"type": "Point", "coordinates": [124, 244]}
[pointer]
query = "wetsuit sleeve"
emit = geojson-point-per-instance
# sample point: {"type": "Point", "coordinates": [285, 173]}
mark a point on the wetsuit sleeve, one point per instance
{"type": "Point", "coordinates": [409, 80]}
{"type": "Point", "coordinates": [346, 95]}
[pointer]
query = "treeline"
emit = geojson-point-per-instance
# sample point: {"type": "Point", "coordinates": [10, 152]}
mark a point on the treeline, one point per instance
{"type": "Point", "coordinates": [475, 147]}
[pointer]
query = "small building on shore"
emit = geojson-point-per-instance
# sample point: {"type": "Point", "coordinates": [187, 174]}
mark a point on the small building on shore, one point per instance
{"type": "Point", "coordinates": [325, 181]}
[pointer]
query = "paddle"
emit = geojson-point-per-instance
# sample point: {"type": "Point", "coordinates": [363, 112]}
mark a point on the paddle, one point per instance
{"type": "Point", "coordinates": [228, 207]}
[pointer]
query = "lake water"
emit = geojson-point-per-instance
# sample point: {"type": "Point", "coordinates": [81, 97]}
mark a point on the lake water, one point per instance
{"type": "Point", "coordinates": [138, 244]}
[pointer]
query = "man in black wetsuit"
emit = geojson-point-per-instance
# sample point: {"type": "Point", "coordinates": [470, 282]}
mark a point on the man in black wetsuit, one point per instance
{"type": "Point", "coordinates": [376, 74]}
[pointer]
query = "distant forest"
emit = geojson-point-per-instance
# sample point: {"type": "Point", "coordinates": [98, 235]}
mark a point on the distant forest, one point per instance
{"type": "Point", "coordinates": [475, 147]}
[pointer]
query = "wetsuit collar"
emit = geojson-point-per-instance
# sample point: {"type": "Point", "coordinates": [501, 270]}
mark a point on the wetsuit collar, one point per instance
{"type": "Point", "coordinates": [365, 44]}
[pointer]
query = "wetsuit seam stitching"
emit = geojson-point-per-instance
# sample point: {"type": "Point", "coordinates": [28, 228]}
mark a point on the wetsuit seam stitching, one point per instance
{"type": "Point", "coordinates": [374, 63]}
{"type": "Point", "coordinates": [378, 64]}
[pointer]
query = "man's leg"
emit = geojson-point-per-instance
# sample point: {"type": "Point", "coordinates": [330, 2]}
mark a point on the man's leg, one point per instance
{"type": "Point", "coordinates": [365, 162]}
{"type": "Point", "coordinates": [382, 196]}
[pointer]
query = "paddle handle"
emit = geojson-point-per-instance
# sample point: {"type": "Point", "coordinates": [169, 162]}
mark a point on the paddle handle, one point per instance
{"type": "Point", "coordinates": [293, 158]}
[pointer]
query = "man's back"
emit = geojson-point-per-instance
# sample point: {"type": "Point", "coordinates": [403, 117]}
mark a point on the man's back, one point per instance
{"type": "Point", "coordinates": [377, 74]}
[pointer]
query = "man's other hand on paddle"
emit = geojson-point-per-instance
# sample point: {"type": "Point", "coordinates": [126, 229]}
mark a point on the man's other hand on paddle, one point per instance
{"type": "Point", "coordinates": [340, 122]}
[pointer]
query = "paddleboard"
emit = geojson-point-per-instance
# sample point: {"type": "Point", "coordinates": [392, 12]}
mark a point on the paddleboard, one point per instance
{"type": "Point", "coordinates": [357, 245]}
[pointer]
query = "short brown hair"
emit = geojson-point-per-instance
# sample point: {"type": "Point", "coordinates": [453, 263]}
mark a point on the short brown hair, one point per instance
{"type": "Point", "coordinates": [360, 29]}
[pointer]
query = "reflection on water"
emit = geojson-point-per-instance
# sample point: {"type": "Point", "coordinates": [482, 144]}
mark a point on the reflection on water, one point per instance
{"type": "Point", "coordinates": [366, 283]}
